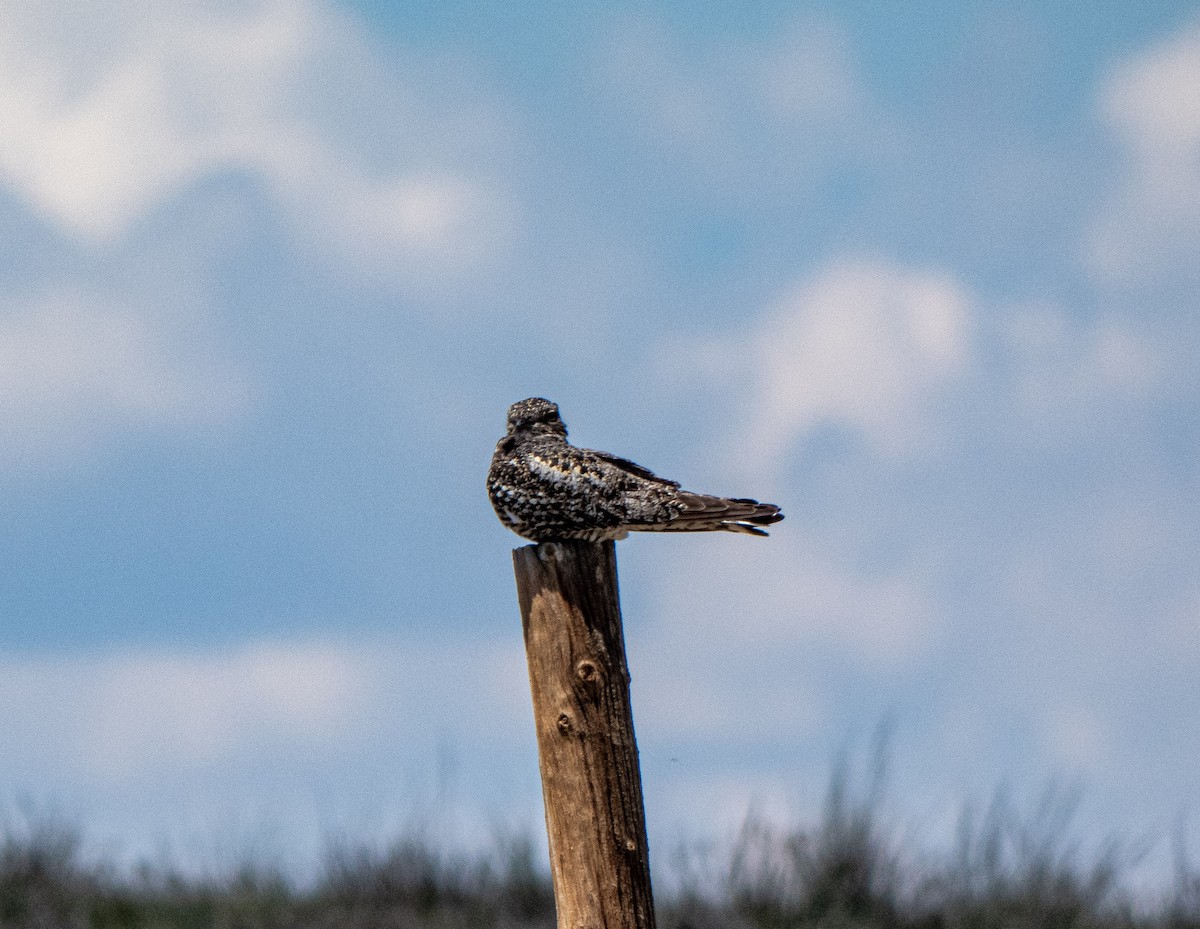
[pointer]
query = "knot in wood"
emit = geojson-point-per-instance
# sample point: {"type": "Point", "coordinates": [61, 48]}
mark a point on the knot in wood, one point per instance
{"type": "Point", "coordinates": [587, 670]}
{"type": "Point", "coordinates": [565, 725]}
{"type": "Point", "coordinates": [550, 552]}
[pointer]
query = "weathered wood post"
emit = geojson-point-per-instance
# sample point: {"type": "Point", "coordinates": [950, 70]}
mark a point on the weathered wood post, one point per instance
{"type": "Point", "coordinates": [591, 783]}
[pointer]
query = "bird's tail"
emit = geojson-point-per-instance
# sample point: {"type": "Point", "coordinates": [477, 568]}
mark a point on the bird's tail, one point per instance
{"type": "Point", "coordinates": [703, 513]}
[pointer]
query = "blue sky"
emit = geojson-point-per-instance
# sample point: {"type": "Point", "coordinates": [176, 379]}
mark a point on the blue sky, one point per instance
{"type": "Point", "coordinates": [275, 271]}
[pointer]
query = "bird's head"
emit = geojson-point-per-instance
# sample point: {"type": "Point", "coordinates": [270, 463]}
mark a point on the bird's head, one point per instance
{"type": "Point", "coordinates": [535, 416]}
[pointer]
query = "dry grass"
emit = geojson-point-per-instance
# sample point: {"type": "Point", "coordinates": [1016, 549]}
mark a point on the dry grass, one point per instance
{"type": "Point", "coordinates": [1008, 870]}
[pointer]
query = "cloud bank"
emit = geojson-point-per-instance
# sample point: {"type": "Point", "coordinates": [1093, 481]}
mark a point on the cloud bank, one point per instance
{"type": "Point", "coordinates": [1151, 102]}
{"type": "Point", "coordinates": [107, 117]}
{"type": "Point", "coordinates": [74, 372]}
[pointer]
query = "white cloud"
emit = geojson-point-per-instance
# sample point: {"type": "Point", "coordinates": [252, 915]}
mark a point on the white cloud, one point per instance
{"type": "Point", "coordinates": [139, 716]}
{"type": "Point", "coordinates": [733, 633]}
{"type": "Point", "coordinates": [159, 749]}
{"type": "Point", "coordinates": [707, 688]}
{"type": "Point", "coordinates": [156, 710]}
{"type": "Point", "coordinates": [1152, 103]}
{"type": "Point", "coordinates": [747, 116]}
{"type": "Point", "coordinates": [788, 595]}
{"type": "Point", "coordinates": [71, 372]}
{"type": "Point", "coordinates": [907, 361]}
{"type": "Point", "coordinates": [904, 359]}
{"type": "Point", "coordinates": [1151, 100]}
{"type": "Point", "coordinates": [862, 344]}
{"type": "Point", "coordinates": [1066, 371]}
{"type": "Point", "coordinates": [130, 716]}
{"type": "Point", "coordinates": [109, 114]}
{"type": "Point", "coordinates": [808, 74]}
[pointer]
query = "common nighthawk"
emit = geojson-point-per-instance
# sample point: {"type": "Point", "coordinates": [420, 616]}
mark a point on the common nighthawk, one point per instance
{"type": "Point", "coordinates": [544, 488]}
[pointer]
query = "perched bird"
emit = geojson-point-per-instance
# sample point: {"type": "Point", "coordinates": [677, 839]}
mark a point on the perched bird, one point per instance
{"type": "Point", "coordinates": [544, 488]}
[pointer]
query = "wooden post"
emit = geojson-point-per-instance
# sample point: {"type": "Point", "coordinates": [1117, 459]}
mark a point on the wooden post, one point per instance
{"type": "Point", "coordinates": [591, 783]}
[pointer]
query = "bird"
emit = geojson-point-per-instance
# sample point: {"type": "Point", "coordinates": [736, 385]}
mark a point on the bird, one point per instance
{"type": "Point", "coordinates": [545, 489]}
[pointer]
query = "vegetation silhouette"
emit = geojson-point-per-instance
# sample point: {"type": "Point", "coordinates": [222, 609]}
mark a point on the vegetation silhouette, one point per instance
{"type": "Point", "coordinates": [1007, 869]}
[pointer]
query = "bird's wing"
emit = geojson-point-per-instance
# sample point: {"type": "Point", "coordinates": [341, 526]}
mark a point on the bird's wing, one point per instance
{"type": "Point", "coordinates": [702, 513]}
{"type": "Point", "coordinates": [631, 467]}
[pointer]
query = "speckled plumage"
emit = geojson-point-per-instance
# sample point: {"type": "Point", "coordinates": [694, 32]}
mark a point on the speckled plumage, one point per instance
{"type": "Point", "coordinates": [543, 488]}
